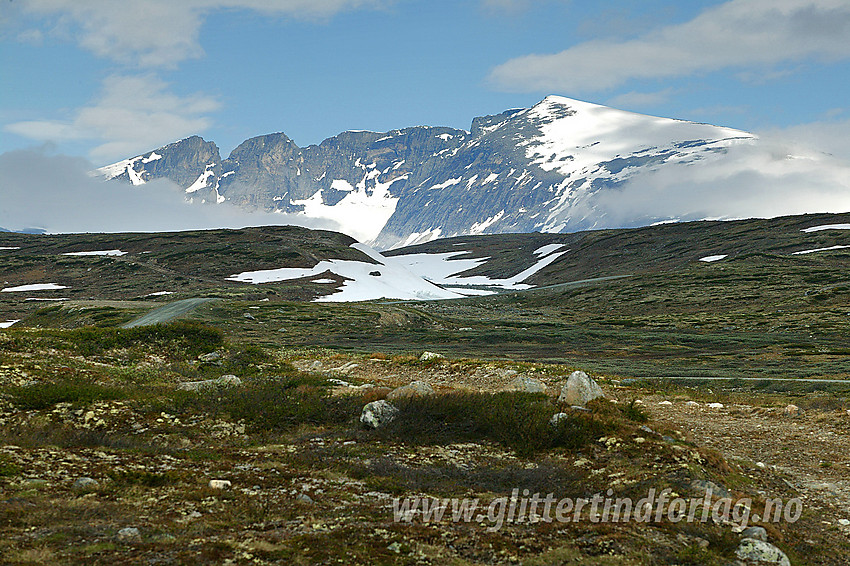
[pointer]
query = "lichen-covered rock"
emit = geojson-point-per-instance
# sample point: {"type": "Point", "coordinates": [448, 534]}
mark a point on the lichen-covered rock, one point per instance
{"type": "Point", "coordinates": [378, 413]}
{"type": "Point", "coordinates": [557, 418]}
{"type": "Point", "coordinates": [223, 381]}
{"type": "Point", "coordinates": [412, 389]}
{"type": "Point", "coordinates": [527, 385]}
{"type": "Point", "coordinates": [580, 389]}
{"type": "Point", "coordinates": [760, 553]}
{"type": "Point", "coordinates": [428, 356]}
{"type": "Point", "coordinates": [757, 533]}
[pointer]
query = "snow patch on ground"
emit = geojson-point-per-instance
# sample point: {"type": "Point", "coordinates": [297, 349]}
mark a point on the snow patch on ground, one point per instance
{"type": "Point", "coordinates": [820, 250]}
{"type": "Point", "coordinates": [827, 227]}
{"type": "Point", "coordinates": [159, 294]}
{"type": "Point", "coordinates": [10, 248]}
{"type": "Point", "coordinates": [33, 287]}
{"type": "Point", "coordinates": [386, 279]}
{"type": "Point", "coordinates": [547, 249]}
{"type": "Point", "coordinates": [324, 281]}
{"type": "Point", "coordinates": [8, 323]}
{"type": "Point", "coordinates": [98, 252]}
{"type": "Point", "coordinates": [710, 258]}
{"type": "Point", "coordinates": [445, 269]}
{"type": "Point", "coordinates": [44, 299]}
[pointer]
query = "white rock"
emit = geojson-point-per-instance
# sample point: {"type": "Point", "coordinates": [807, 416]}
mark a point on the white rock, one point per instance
{"type": "Point", "coordinates": [223, 381]}
{"type": "Point", "coordinates": [580, 389]}
{"type": "Point", "coordinates": [378, 413]}
{"type": "Point", "coordinates": [665, 403]}
{"type": "Point", "coordinates": [715, 405]}
{"type": "Point", "coordinates": [557, 417]}
{"type": "Point", "coordinates": [220, 484]}
{"type": "Point", "coordinates": [692, 404]}
{"type": "Point", "coordinates": [755, 551]}
{"type": "Point", "coordinates": [428, 356]}
{"type": "Point", "coordinates": [843, 522]}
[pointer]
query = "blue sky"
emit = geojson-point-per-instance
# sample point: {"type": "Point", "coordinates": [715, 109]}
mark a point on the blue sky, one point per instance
{"type": "Point", "coordinates": [102, 82]}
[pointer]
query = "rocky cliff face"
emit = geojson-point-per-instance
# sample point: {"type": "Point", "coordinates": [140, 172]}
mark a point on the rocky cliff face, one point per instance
{"type": "Point", "coordinates": [525, 170]}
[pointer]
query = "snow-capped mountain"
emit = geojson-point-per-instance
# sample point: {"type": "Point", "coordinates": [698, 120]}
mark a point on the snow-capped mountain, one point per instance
{"type": "Point", "coordinates": [526, 170]}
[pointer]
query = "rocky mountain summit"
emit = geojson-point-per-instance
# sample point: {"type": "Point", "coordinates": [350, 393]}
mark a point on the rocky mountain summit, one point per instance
{"type": "Point", "coordinates": [523, 170]}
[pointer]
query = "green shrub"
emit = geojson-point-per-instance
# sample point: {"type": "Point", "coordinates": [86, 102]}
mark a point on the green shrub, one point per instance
{"type": "Point", "coordinates": [77, 391]}
{"type": "Point", "coordinates": [517, 420]}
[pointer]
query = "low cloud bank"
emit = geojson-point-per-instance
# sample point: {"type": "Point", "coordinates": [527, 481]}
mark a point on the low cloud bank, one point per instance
{"type": "Point", "coordinates": [56, 193]}
{"type": "Point", "coordinates": [767, 179]}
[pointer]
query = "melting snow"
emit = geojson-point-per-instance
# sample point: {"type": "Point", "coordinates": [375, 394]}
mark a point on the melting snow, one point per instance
{"type": "Point", "coordinates": [710, 258]}
{"type": "Point", "coordinates": [394, 281]}
{"type": "Point", "coordinates": [10, 248]}
{"type": "Point", "coordinates": [159, 293]}
{"type": "Point", "coordinates": [8, 323]}
{"type": "Point", "coordinates": [99, 252]}
{"type": "Point", "coordinates": [44, 299]}
{"type": "Point", "coordinates": [362, 213]}
{"type": "Point", "coordinates": [201, 181]}
{"type": "Point", "coordinates": [445, 269]}
{"type": "Point", "coordinates": [324, 281]}
{"type": "Point", "coordinates": [820, 250]}
{"type": "Point", "coordinates": [827, 227]}
{"type": "Point", "coordinates": [479, 227]}
{"type": "Point", "coordinates": [34, 287]}
{"type": "Point", "coordinates": [547, 249]}
{"type": "Point", "coordinates": [152, 157]}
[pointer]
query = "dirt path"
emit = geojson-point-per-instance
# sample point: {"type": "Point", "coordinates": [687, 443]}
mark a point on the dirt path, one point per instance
{"type": "Point", "coordinates": [811, 451]}
{"type": "Point", "coordinates": [167, 313]}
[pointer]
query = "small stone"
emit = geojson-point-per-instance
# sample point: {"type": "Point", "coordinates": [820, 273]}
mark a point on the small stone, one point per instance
{"type": "Point", "coordinates": [304, 499]}
{"type": "Point", "coordinates": [85, 483]}
{"type": "Point", "coordinates": [378, 413]}
{"type": "Point", "coordinates": [249, 316]}
{"type": "Point", "coordinates": [792, 411]}
{"type": "Point", "coordinates": [580, 389]}
{"type": "Point", "coordinates": [527, 385]}
{"type": "Point", "coordinates": [700, 487]}
{"type": "Point", "coordinates": [429, 356]}
{"type": "Point", "coordinates": [211, 357]}
{"type": "Point", "coordinates": [220, 484]}
{"type": "Point", "coordinates": [844, 522]}
{"type": "Point", "coordinates": [665, 403]}
{"type": "Point", "coordinates": [557, 418]}
{"type": "Point", "coordinates": [129, 534]}
{"type": "Point", "coordinates": [755, 533]}
{"type": "Point", "coordinates": [715, 405]}
{"type": "Point", "coordinates": [692, 404]}
{"type": "Point", "coordinates": [413, 389]}
{"type": "Point", "coordinates": [759, 552]}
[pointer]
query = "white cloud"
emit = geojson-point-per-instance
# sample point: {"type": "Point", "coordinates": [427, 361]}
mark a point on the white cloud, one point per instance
{"type": "Point", "coordinates": [161, 33]}
{"type": "Point", "coordinates": [131, 115]}
{"type": "Point", "coordinates": [56, 193]}
{"type": "Point", "coordinates": [640, 99]}
{"type": "Point", "coordinates": [740, 34]}
{"type": "Point", "coordinates": [832, 137]}
{"type": "Point", "coordinates": [767, 179]}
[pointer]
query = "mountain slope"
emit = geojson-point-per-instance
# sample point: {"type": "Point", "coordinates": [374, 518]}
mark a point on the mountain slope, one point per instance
{"type": "Point", "coordinates": [556, 167]}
